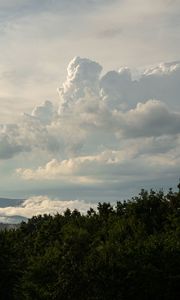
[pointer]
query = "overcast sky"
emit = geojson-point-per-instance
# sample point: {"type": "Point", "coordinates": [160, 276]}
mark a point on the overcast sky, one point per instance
{"type": "Point", "coordinates": [89, 95]}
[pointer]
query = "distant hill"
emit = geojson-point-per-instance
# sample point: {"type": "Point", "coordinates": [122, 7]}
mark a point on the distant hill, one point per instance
{"type": "Point", "coordinates": [10, 221]}
{"type": "Point", "coordinates": [5, 202]}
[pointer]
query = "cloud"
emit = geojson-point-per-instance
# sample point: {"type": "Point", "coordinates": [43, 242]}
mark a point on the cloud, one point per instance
{"type": "Point", "coordinates": [36, 44]}
{"type": "Point", "coordinates": [82, 169]}
{"type": "Point", "coordinates": [82, 74]}
{"type": "Point", "coordinates": [10, 142]}
{"type": "Point", "coordinates": [94, 112]}
{"type": "Point", "coordinates": [8, 149]}
{"type": "Point", "coordinates": [98, 110]}
{"type": "Point", "coordinates": [133, 162]}
{"type": "Point", "coordinates": [152, 118]}
{"type": "Point", "coordinates": [118, 88]}
{"type": "Point", "coordinates": [98, 135]}
{"type": "Point", "coordinates": [77, 170]}
{"type": "Point", "coordinates": [160, 82]}
{"type": "Point", "coordinates": [39, 205]}
{"type": "Point", "coordinates": [44, 113]}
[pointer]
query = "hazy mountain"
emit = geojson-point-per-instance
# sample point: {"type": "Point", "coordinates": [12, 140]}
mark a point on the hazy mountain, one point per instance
{"type": "Point", "coordinates": [5, 202]}
{"type": "Point", "coordinates": [10, 221]}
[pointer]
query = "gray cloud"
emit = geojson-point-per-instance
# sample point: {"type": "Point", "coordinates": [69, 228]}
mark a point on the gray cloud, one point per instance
{"type": "Point", "coordinates": [10, 142]}
{"type": "Point", "coordinates": [9, 149]}
{"type": "Point", "coordinates": [45, 112]}
{"type": "Point", "coordinates": [152, 118]}
{"type": "Point", "coordinates": [109, 167]}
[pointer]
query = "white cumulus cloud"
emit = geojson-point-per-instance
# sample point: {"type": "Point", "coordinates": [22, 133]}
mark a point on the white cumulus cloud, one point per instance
{"type": "Point", "coordinates": [39, 205]}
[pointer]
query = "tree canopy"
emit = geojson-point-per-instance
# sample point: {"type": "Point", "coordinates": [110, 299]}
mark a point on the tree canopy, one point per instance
{"type": "Point", "coordinates": [127, 251]}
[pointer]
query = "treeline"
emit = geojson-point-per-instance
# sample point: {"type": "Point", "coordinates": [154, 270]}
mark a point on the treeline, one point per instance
{"type": "Point", "coordinates": [4, 226]}
{"type": "Point", "coordinates": [131, 251]}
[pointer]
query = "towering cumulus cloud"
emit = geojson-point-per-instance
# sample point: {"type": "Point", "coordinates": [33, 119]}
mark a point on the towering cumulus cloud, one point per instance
{"type": "Point", "coordinates": [82, 75]}
{"type": "Point", "coordinates": [106, 128]}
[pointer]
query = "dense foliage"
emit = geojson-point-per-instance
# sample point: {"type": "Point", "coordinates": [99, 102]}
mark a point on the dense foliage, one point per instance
{"type": "Point", "coordinates": [131, 251]}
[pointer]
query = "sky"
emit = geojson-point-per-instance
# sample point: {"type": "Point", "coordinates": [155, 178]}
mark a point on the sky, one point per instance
{"type": "Point", "coordinates": [89, 98]}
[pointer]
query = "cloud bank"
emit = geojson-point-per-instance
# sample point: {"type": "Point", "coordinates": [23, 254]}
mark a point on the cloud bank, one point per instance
{"type": "Point", "coordinates": [40, 205]}
{"type": "Point", "coordinates": [105, 128]}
